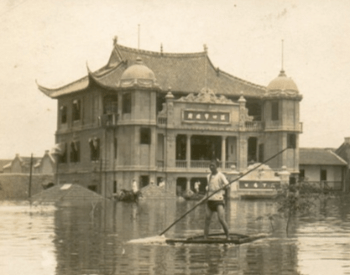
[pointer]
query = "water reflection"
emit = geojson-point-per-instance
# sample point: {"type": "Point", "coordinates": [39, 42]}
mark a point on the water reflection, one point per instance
{"type": "Point", "coordinates": [86, 239]}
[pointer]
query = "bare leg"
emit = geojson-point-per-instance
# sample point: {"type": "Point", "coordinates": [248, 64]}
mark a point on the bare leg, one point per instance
{"type": "Point", "coordinates": [221, 215]}
{"type": "Point", "coordinates": [208, 214]}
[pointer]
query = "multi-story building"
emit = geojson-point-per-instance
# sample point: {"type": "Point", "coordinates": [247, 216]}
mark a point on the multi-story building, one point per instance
{"type": "Point", "coordinates": [154, 116]}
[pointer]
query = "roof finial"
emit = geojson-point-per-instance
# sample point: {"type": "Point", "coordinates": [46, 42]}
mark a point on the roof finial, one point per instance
{"type": "Point", "coordinates": [161, 48]}
{"type": "Point", "coordinates": [206, 68]}
{"type": "Point", "coordinates": [138, 40]}
{"type": "Point", "coordinates": [205, 48]}
{"type": "Point", "coordinates": [282, 53]}
{"type": "Point", "coordinates": [115, 40]}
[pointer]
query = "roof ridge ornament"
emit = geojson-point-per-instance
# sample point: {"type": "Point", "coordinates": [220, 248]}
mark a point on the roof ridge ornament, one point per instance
{"type": "Point", "coordinates": [206, 96]}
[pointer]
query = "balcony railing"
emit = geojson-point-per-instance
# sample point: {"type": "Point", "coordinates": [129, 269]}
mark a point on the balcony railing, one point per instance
{"type": "Point", "coordinates": [162, 120]}
{"type": "Point", "coordinates": [181, 163]}
{"type": "Point", "coordinates": [200, 163]}
{"type": "Point", "coordinates": [254, 125]}
{"type": "Point", "coordinates": [108, 120]}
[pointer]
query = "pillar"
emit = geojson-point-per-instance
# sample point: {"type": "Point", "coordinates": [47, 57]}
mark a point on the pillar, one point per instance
{"type": "Point", "coordinates": [188, 151]}
{"type": "Point", "coordinates": [188, 184]}
{"type": "Point", "coordinates": [223, 152]}
{"type": "Point", "coordinates": [242, 152]}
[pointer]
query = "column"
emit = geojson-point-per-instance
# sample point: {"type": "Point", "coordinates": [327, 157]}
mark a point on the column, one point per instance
{"type": "Point", "coordinates": [188, 185]}
{"type": "Point", "coordinates": [242, 152]}
{"type": "Point", "coordinates": [223, 152]}
{"type": "Point", "coordinates": [188, 151]}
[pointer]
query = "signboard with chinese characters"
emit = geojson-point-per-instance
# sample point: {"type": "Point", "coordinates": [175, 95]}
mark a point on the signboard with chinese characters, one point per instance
{"type": "Point", "coordinates": [206, 117]}
{"type": "Point", "coordinates": [258, 184]}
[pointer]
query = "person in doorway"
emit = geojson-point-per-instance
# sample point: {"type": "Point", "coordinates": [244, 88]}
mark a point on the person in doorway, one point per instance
{"type": "Point", "coordinates": [196, 186]}
{"type": "Point", "coordinates": [161, 182]}
{"type": "Point", "coordinates": [134, 186]}
{"type": "Point", "coordinates": [216, 203]}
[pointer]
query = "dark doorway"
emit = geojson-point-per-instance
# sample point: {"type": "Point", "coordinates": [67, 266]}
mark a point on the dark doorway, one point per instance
{"type": "Point", "coordinates": [144, 181]}
{"type": "Point", "coordinates": [180, 186]}
{"type": "Point", "coordinates": [252, 149]}
{"type": "Point", "coordinates": [92, 188]}
{"type": "Point", "coordinates": [181, 147]}
{"type": "Point", "coordinates": [206, 148]}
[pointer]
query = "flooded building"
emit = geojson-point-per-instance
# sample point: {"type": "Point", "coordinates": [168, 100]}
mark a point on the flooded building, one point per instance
{"type": "Point", "coordinates": [162, 117]}
{"type": "Point", "coordinates": [322, 168]}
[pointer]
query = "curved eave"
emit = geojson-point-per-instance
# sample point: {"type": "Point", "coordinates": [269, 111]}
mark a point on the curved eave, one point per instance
{"type": "Point", "coordinates": [98, 76]}
{"type": "Point", "coordinates": [75, 86]}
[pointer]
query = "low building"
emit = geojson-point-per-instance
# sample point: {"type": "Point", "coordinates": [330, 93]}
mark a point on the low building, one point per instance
{"type": "Point", "coordinates": [154, 115]}
{"type": "Point", "coordinates": [323, 168]}
{"type": "Point", "coordinates": [40, 165]}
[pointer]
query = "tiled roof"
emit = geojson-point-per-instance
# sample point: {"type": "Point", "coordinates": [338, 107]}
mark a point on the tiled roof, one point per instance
{"type": "Point", "coordinates": [319, 156]}
{"type": "Point", "coordinates": [183, 72]}
{"type": "Point", "coordinates": [67, 193]}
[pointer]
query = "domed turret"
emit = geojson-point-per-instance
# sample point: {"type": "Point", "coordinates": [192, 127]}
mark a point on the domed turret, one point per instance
{"type": "Point", "coordinates": [282, 83]}
{"type": "Point", "coordinates": [138, 74]}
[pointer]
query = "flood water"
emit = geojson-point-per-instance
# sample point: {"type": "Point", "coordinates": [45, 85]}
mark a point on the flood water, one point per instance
{"type": "Point", "coordinates": [93, 239]}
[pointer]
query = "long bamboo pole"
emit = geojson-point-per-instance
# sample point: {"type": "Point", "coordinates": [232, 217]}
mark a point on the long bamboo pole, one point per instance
{"type": "Point", "coordinates": [206, 198]}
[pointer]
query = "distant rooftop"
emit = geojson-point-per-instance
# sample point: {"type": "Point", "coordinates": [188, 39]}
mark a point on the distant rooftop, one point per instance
{"type": "Point", "coordinates": [319, 156]}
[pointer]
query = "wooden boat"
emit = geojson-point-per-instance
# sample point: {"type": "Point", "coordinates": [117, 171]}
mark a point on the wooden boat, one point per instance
{"type": "Point", "coordinates": [128, 196]}
{"type": "Point", "coordinates": [219, 238]}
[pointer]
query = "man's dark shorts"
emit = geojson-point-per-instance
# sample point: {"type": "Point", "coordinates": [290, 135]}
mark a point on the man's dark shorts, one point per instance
{"type": "Point", "coordinates": [212, 205]}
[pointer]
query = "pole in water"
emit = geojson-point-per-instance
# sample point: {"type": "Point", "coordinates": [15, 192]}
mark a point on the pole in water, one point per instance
{"type": "Point", "coordinates": [30, 177]}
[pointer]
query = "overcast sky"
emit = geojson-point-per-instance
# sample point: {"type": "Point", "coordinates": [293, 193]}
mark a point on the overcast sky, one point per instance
{"type": "Point", "coordinates": [51, 41]}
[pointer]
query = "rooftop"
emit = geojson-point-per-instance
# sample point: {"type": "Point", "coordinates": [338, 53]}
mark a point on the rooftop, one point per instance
{"type": "Point", "coordinates": [319, 156]}
{"type": "Point", "coordinates": [182, 72]}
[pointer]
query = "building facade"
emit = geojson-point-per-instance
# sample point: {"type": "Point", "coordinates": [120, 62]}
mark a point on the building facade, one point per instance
{"type": "Point", "coordinates": [162, 117]}
{"type": "Point", "coordinates": [322, 168]}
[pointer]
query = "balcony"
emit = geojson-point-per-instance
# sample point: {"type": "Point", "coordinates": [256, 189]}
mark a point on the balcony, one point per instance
{"type": "Point", "coordinates": [254, 125]}
{"type": "Point", "coordinates": [162, 120]}
{"type": "Point", "coordinates": [108, 120]}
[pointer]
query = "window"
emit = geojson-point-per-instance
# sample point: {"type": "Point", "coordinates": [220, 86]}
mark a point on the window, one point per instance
{"type": "Point", "coordinates": [94, 148]}
{"type": "Point", "coordinates": [75, 151]}
{"type": "Point", "coordinates": [274, 110]}
{"type": "Point", "coordinates": [63, 155]}
{"type": "Point", "coordinates": [115, 148]}
{"type": "Point", "coordinates": [252, 149]}
{"type": "Point", "coordinates": [323, 175]}
{"type": "Point", "coordinates": [114, 186]}
{"type": "Point", "coordinates": [63, 115]}
{"type": "Point", "coordinates": [126, 103]}
{"type": "Point", "coordinates": [291, 141]}
{"type": "Point", "coordinates": [145, 136]}
{"type": "Point", "coordinates": [76, 110]}
{"type": "Point", "coordinates": [92, 188]}
{"type": "Point", "coordinates": [144, 180]}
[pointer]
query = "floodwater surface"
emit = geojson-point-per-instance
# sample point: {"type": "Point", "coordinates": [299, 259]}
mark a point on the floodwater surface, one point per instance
{"type": "Point", "coordinates": [93, 239]}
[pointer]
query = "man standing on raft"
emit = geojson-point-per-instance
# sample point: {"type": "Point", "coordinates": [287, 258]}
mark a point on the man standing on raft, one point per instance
{"type": "Point", "coordinates": [216, 180]}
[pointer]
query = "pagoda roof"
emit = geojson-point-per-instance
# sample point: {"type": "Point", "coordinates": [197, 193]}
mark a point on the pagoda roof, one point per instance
{"type": "Point", "coordinates": [181, 72]}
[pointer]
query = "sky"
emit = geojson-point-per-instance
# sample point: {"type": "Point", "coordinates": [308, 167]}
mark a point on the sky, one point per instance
{"type": "Point", "coordinates": [52, 41]}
